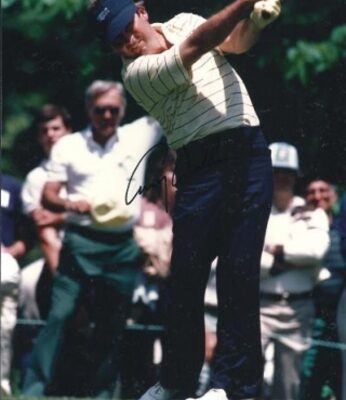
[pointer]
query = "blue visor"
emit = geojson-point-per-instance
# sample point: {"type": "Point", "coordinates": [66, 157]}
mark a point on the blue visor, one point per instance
{"type": "Point", "coordinates": [111, 17]}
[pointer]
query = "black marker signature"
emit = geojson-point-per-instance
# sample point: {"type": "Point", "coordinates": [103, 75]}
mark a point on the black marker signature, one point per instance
{"type": "Point", "coordinates": [156, 183]}
{"type": "Point", "coordinates": [208, 158]}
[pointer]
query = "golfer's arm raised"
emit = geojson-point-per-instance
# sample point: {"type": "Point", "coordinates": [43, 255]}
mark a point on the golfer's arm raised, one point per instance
{"type": "Point", "coordinates": [242, 38]}
{"type": "Point", "coordinates": [246, 32]}
{"type": "Point", "coordinates": [218, 29]}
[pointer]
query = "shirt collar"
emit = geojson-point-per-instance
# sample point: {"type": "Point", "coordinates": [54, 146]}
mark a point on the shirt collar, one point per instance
{"type": "Point", "coordinates": [171, 33]}
{"type": "Point", "coordinates": [88, 134]}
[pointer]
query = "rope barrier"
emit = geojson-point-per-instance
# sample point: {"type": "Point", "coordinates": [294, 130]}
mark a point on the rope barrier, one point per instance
{"type": "Point", "coordinates": [159, 328]}
{"type": "Point", "coordinates": [320, 343]}
{"type": "Point", "coordinates": [31, 322]}
{"type": "Point", "coordinates": [131, 326]}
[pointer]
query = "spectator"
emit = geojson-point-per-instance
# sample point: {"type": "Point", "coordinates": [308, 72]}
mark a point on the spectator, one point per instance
{"type": "Point", "coordinates": [296, 240]}
{"type": "Point", "coordinates": [341, 312]}
{"type": "Point", "coordinates": [100, 169]}
{"type": "Point", "coordinates": [51, 124]}
{"type": "Point", "coordinates": [153, 233]}
{"type": "Point", "coordinates": [322, 365]}
{"type": "Point", "coordinates": [15, 241]}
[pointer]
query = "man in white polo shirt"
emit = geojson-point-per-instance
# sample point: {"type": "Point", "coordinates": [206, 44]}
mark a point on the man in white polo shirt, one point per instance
{"type": "Point", "coordinates": [177, 72]}
{"type": "Point", "coordinates": [95, 166]}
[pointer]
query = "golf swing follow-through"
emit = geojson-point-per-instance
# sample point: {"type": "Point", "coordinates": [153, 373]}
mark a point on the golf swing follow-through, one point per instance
{"type": "Point", "coordinates": [178, 73]}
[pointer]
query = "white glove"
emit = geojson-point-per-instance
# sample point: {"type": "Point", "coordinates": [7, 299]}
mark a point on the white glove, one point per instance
{"type": "Point", "coordinates": [265, 12]}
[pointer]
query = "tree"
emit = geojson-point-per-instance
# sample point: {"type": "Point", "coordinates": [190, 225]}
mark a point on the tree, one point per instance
{"type": "Point", "coordinates": [294, 74]}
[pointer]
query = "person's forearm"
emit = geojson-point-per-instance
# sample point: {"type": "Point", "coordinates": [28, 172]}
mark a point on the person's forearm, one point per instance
{"type": "Point", "coordinates": [51, 198]}
{"type": "Point", "coordinates": [43, 217]}
{"type": "Point", "coordinates": [60, 219]}
{"type": "Point", "coordinates": [50, 245]}
{"type": "Point", "coordinates": [59, 205]}
{"type": "Point", "coordinates": [216, 28]}
{"type": "Point", "coordinates": [242, 38]}
{"type": "Point", "coordinates": [54, 202]}
{"type": "Point", "coordinates": [17, 249]}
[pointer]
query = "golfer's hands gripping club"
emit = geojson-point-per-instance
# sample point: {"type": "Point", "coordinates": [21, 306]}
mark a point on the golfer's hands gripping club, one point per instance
{"type": "Point", "coordinates": [265, 12]}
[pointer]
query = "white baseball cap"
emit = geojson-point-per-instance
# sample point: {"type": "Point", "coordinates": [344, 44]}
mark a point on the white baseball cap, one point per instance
{"type": "Point", "coordinates": [284, 155]}
{"type": "Point", "coordinates": [109, 213]}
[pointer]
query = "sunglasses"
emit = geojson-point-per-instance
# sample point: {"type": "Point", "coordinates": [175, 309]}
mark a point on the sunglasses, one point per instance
{"type": "Point", "coordinates": [98, 110]}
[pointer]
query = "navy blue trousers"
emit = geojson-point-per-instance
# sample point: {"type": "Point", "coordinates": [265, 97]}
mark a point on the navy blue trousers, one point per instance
{"type": "Point", "coordinates": [224, 193]}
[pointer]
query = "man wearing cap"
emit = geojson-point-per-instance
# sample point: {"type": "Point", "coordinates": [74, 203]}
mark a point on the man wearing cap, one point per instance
{"type": "Point", "coordinates": [295, 242]}
{"type": "Point", "coordinates": [178, 73]}
{"type": "Point", "coordinates": [95, 167]}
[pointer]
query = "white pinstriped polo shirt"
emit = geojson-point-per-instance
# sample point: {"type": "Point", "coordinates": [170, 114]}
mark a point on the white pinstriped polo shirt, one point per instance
{"type": "Point", "coordinates": [189, 105]}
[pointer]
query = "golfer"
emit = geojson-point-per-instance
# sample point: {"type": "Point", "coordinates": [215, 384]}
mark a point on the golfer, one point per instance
{"type": "Point", "coordinates": [177, 71]}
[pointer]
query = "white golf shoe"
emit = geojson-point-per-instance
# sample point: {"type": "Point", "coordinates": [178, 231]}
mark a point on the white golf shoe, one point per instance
{"type": "Point", "coordinates": [157, 392]}
{"type": "Point", "coordinates": [213, 394]}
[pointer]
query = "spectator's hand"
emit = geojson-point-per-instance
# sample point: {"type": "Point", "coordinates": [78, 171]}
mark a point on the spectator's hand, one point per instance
{"type": "Point", "coordinates": [150, 270]}
{"type": "Point", "coordinates": [146, 239]}
{"type": "Point", "coordinates": [43, 217]}
{"type": "Point", "coordinates": [78, 206]}
{"type": "Point", "coordinates": [265, 12]}
{"type": "Point", "coordinates": [210, 345]}
{"type": "Point", "coordinates": [275, 249]}
{"type": "Point", "coordinates": [17, 249]}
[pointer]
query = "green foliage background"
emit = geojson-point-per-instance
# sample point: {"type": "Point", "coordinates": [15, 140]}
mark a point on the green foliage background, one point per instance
{"type": "Point", "coordinates": [295, 74]}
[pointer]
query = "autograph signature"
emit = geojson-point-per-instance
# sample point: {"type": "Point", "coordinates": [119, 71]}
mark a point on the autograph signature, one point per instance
{"type": "Point", "coordinates": [162, 181]}
{"type": "Point", "coordinates": [208, 158]}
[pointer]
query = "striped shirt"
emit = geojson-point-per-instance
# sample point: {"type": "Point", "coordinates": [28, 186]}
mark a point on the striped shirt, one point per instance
{"type": "Point", "coordinates": [188, 104]}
